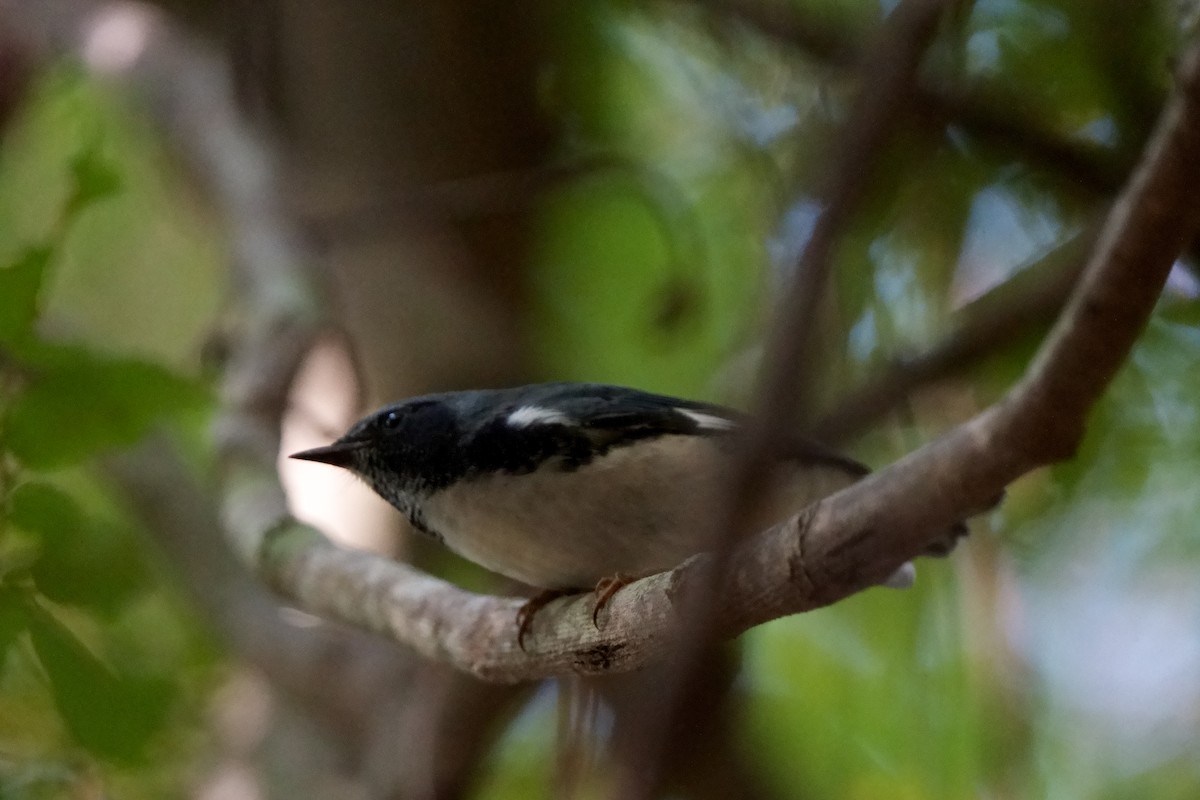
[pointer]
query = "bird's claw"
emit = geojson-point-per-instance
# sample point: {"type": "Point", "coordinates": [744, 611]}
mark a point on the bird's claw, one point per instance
{"type": "Point", "coordinates": [604, 591]}
{"type": "Point", "coordinates": [533, 605]}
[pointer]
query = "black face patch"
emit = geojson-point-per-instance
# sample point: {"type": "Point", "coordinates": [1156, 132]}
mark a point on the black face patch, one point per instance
{"type": "Point", "coordinates": [414, 448]}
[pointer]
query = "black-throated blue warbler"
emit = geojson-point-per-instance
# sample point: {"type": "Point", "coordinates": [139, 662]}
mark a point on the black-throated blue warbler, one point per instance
{"type": "Point", "coordinates": [574, 486]}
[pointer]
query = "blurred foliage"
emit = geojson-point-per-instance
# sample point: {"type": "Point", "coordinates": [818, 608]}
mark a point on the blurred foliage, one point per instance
{"type": "Point", "coordinates": [99, 662]}
{"type": "Point", "coordinates": [1056, 654]}
{"type": "Point", "coordinates": [1003, 672]}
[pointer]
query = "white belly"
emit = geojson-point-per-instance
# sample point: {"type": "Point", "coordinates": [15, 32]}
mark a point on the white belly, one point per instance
{"type": "Point", "coordinates": [638, 510]}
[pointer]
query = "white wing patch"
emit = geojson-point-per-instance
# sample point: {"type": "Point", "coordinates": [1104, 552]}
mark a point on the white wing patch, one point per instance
{"type": "Point", "coordinates": [708, 422]}
{"type": "Point", "coordinates": [525, 416]}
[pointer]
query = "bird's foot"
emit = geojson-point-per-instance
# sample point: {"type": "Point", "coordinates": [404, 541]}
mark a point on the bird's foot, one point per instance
{"type": "Point", "coordinates": [534, 605]}
{"type": "Point", "coordinates": [605, 589]}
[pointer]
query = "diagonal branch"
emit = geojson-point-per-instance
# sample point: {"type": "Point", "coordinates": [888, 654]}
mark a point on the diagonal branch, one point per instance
{"type": "Point", "coordinates": [1042, 419]}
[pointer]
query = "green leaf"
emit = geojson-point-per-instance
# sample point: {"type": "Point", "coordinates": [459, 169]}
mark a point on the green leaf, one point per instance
{"type": "Point", "coordinates": [20, 286]}
{"type": "Point", "coordinates": [95, 176]}
{"type": "Point", "coordinates": [110, 715]}
{"type": "Point", "coordinates": [44, 509]}
{"type": "Point", "coordinates": [84, 562]}
{"type": "Point", "coordinates": [79, 403]}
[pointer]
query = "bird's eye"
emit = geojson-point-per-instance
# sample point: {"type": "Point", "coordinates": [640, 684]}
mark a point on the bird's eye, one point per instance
{"type": "Point", "coordinates": [391, 420]}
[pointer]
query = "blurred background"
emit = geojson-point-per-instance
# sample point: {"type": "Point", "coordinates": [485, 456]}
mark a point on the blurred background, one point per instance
{"type": "Point", "coordinates": [616, 191]}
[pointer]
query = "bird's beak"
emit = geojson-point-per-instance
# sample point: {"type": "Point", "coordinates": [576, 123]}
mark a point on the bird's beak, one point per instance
{"type": "Point", "coordinates": [339, 454]}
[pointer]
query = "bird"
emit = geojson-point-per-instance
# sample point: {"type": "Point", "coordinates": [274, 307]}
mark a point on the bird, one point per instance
{"type": "Point", "coordinates": [575, 487]}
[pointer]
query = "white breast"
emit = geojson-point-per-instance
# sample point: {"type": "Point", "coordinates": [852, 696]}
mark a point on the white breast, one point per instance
{"type": "Point", "coordinates": [638, 510]}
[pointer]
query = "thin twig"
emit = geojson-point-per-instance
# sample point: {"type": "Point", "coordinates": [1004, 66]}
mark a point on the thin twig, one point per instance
{"type": "Point", "coordinates": [1013, 310]}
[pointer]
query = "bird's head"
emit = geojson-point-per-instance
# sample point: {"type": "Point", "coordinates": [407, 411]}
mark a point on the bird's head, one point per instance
{"type": "Point", "coordinates": [402, 451]}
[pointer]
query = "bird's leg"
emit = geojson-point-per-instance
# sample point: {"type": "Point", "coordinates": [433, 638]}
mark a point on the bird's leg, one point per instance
{"type": "Point", "coordinates": [534, 605]}
{"type": "Point", "coordinates": [605, 589]}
